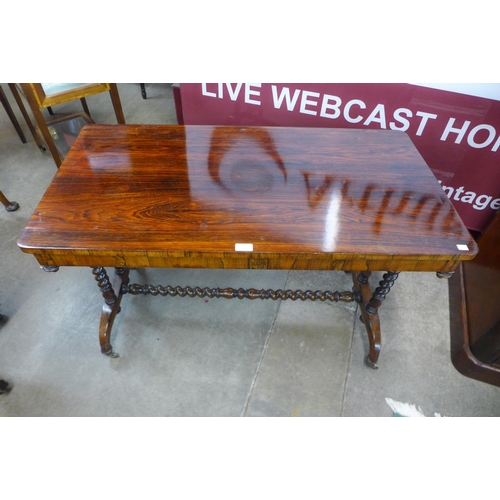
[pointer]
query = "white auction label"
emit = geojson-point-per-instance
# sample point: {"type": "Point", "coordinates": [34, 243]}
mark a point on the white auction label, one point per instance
{"type": "Point", "coordinates": [243, 247]}
{"type": "Point", "coordinates": [462, 247]}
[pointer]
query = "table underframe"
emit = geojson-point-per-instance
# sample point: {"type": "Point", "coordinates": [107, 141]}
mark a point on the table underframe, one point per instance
{"type": "Point", "coordinates": [113, 289]}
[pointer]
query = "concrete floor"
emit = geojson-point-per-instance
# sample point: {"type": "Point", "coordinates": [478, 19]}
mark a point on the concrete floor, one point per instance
{"type": "Point", "coordinates": [197, 357]}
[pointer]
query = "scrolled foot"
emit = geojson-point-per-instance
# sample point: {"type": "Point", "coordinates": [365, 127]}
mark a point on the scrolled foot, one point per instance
{"type": "Point", "coordinates": [443, 275]}
{"type": "Point", "coordinates": [370, 363]}
{"type": "Point", "coordinates": [110, 353]}
{"type": "Point", "coordinates": [12, 207]}
{"type": "Point", "coordinates": [50, 269]}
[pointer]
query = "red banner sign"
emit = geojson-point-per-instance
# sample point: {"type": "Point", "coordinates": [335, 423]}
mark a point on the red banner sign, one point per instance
{"type": "Point", "coordinates": [457, 134]}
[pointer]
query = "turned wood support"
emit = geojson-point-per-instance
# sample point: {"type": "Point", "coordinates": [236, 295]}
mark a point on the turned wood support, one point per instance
{"type": "Point", "coordinates": [101, 276]}
{"type": "Point", "coordinates": [370, 321]}
{"type": "Point", "coordinates": [369, 305]}
{"type": "Point", "coordinates": [112, 293]}
{"type": "Point", "coordinates": [384, 287]}
{"type": "Point", "coordinates": [240, 293]}
{"type": "Point", "coordinates": [363, 277]}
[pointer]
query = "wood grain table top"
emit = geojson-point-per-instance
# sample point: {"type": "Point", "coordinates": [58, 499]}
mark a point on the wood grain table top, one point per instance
{"type": "Point", "coordinates": [295, 198]}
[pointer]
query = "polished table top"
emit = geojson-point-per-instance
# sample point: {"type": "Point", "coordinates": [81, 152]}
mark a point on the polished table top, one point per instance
{"type": "Point", "coordinates": [295, 198]}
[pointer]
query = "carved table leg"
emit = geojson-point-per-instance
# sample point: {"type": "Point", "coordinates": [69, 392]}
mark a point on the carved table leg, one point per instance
{"type": "Point", "coordinates": [371, 321]}
{"type": "Point", "coordinates": [112, 297]}
{"type": "Point", "coordinates": [369, 306]}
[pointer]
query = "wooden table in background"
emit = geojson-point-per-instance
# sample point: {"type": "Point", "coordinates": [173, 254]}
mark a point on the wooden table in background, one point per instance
{"type": "Point", "coordinates": [137, 196]}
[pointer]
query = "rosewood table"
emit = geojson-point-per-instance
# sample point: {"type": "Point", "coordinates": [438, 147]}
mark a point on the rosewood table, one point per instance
{"type": "Point", "coordinates": [136, 196]}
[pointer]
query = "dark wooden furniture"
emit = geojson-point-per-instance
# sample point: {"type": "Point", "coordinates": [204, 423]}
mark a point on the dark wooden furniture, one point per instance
{"type": "Point", "coordinates": [46, 95]}
{"type": "Point", "coordinates": [26, 116]}
{"type": "Point", "coordinates": [475, 311]}
{"type": "Point", "coordinates": [246, 198]}
{"type": "Point", "coordinates": [65, 130]}
{"type": "Point", "coordinates": [10, 206]}
{"type": "Point", "coordinates": [11, 115]}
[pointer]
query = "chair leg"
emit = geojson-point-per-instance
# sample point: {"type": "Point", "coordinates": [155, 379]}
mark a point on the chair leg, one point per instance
{"type": "Point", "coordinates": [10, 206]}
{"type": "Point", "coordinates": [42, 126]}
{"type": "Point", "coordinates": [17, 97]}
{"type": "Point", "coordinates": [85, 106]}
{"type": "Point", "coordinates": [117, 105]}
{"type": "Point", "coordinates": [11, 114]}
{"type": "Point", "coordinates": [47, 138]}
{"type": "Point", "coordinates": [143, 91]}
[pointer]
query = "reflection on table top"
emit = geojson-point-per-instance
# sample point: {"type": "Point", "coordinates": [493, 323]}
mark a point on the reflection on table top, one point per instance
{"type": "Point", "coordinates": [157, 188]}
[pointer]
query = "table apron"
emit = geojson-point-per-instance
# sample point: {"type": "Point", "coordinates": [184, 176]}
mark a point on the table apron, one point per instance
{"type": "Point", "coordinates": [255, 261]}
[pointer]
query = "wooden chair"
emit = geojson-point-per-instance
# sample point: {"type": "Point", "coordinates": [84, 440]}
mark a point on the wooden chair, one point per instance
{"type": "Point", "coordinates": [46, 95]}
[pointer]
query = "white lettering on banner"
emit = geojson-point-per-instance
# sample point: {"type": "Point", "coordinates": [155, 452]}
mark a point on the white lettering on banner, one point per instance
{"type": "Point", "coordinates": [380, 111]}
{"type": "Point", "coordinates": [285, 95]}
{"type": "Point", "coordinates": [400, 119]}
{"type": "Point", "coordinates": [459, 131]}
{"type": "Point", "coordinates": [330, 107]}
{"type": "Point", "coordinates": [423, 123]}
{"type": "Point", "coordinates": [204, 91]}
{"type": "Point", "coordinates": [470, 138]}
{"type": "Point", "coordinates": [458, 192]}
{"type": "Point", "coordinates": [325, 105]}
{"type": "Point", "coordinates": [478, 202]}
{"type": "Point", "coordinates": [305, 102]}
{"type": "Point", "coordinates": [249, 92]}
{"type": "Point", "coordinates": [347, 108]}
{"type": "Point", "coordinates": [233, 94]}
